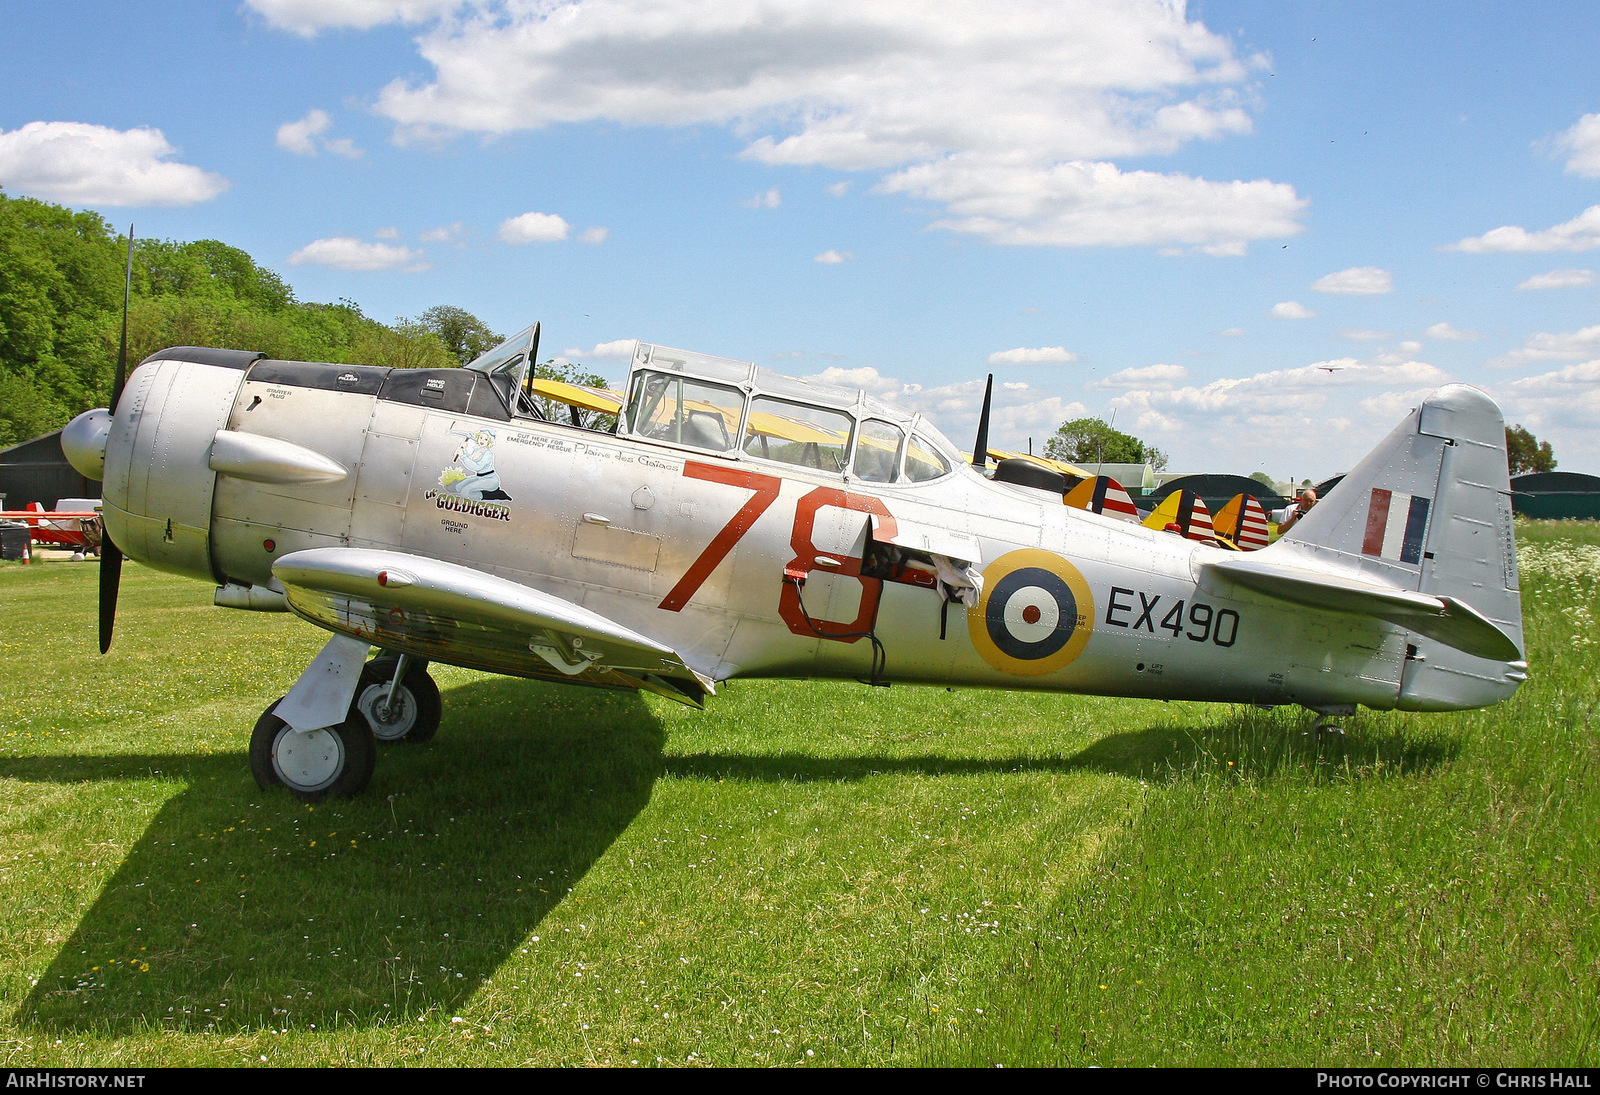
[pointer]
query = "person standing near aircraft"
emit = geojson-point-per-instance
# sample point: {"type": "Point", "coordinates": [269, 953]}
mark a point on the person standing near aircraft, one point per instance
{"type": "Point", "coordinates": [1297, 509]}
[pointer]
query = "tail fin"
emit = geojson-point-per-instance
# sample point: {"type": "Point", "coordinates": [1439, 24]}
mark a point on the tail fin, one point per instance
{"type": "Point", "coordinates": [1242, 522]}
{"type": "Point", "coordinates": [1103, 495]}
{"type": "Point", "coordinates": [1429, 510]}
{"type": "Point", "coordinates": [1183, 513]}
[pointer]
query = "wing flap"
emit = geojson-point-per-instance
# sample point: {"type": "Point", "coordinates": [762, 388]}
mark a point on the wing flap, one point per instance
{"type": "Point", "coordinates": [1446, 619]}
{"type": "Point", "coordinates": [454, 614]}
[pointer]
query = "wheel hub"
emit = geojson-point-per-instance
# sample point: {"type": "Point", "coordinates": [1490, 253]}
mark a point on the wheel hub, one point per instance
{"type": "Point", "coordinates": [307, 761]}
{"type": "Point", "coordinates": [389, 721]}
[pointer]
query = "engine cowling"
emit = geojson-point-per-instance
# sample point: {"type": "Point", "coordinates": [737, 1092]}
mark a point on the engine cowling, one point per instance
{"type": "Point", "coordinates": [153, 457]}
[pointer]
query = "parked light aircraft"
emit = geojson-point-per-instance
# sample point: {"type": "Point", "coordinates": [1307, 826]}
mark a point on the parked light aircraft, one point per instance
{"type": "Point", "coordinates": [732, 522]}
{"type": "Point", "coordinates": [74, 523]}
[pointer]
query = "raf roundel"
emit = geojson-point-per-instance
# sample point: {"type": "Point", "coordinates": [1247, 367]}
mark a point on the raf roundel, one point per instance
{"type": "Point", "coordinates": [1035, 615]}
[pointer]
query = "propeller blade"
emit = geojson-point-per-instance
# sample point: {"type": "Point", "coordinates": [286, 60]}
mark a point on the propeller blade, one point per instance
{"type": "Point", "coordinates": [980, 447]}
{"type": "Point", "coordinates": [110, 554]}
{"type": "Point", "coordinates": [110, 580]}
{"type": "Point", "coordinates": [122, 348]}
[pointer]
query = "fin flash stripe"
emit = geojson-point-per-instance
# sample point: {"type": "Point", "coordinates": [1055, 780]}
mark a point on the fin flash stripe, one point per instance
{"type": "Point", "coordinates": [1396, 526]}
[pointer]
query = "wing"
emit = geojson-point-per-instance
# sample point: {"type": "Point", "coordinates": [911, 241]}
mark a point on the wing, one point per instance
{"type": "Point", "coordinates": [461, 616]}
{"type": "Point", "coordinates": [1452, 622]}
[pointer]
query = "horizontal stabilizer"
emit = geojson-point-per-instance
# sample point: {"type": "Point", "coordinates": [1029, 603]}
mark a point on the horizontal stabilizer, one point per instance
{"type": "Point", "coordinates": [454, 614]}
{"type": "Point", "coordinates": [1445, 619]}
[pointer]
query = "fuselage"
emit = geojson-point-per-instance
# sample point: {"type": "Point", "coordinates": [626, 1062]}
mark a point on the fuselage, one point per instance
{"type": "Point", "coordinates": [746, 565]}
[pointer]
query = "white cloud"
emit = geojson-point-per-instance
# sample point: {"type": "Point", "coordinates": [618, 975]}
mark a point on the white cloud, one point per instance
{"type": "Point", "coordinates": [297, 137]}
{"type": "Point", "coordinates": [1581, 233]}
{"type": "Point", "coordinates": [81, 164]}
{"type": "Point", "coordinates": [1018, 410]}
{"type": "Point", "coordinates": [1233, 332]}
{"type": "Point", "coordinates": [445, 233]}
{"type": "Point", "coordinates": [1582, 141]}
{"type": "Point", "coordinates": [1447, 333]}
{"type": "Point", "coordinates": [839, 189]}
{"type": "Point", "coordinates": [1545, 346]}
{"type": "Point", "coordinates": [533, 228]}
{"type": "Point", "coordinates": [1041, 355]}
{"type": "Point", "coordinates": [1290, 309]}
{"type": "Point", "coordinates": [390, 233]}
{"type": "Point", "coordinates": [596, 235]}
{"type": "Point", "coordinates": [348, 253]}
{"type": "Point", "coordinates": [344, 146]}
{"type": "Point", "coordinates": [307, 17]}
{"type": "Point", "coordinates": [768, 199]}
{"type": "Point", "coordinates": [1261, 409]}
{"type": "Point", "coordinates": [1151, 377]}
{"type": "Point", "coordinates": [621, 348]}
{"type": "Point", "coordinates": [1361, 280]}
{"type": "Point", "coordinates": [1362, 334]}
{"type": "Point", "coordinates": [304, 136]}
{"type": "Point", "coordinates": [1562, 407]}
{"type": "Point", "coordinates": [1083, 204]}
{"type": "Point", "coordinates": [833, 258]}
{"type": "Point", "coordinates": [1390, 406]}
{"type": "Point", "coordinates": [1560, 279]}
{"type": "Point", "coordinates": [1009, 109]}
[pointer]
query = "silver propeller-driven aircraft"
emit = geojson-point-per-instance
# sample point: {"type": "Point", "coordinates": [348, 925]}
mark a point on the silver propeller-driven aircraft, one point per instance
{"type": "Point", "coordinates": [731, 522]}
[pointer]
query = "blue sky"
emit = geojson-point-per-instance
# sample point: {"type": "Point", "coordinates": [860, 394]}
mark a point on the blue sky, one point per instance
{"type": "Point", "coordinates": [1173, 214]}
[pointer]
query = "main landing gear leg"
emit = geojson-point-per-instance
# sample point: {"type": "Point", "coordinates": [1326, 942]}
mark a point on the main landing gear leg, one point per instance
{"type": "Point", "coordinates": [312, 741]}
{"type": "Point", "coordinates": [398, 699]}
{"type": "Point", "coordinates": [1325, 717]}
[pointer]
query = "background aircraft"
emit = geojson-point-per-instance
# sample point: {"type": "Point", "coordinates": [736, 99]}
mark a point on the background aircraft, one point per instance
{"type": "Point", "coordinates": [74, 523]}
{"type": "Point", "coordinates": [734, 522]}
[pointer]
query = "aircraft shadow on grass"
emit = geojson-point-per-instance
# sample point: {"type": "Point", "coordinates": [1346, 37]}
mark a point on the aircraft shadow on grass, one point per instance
{"type": "Point", "coordinates": [461, 848]}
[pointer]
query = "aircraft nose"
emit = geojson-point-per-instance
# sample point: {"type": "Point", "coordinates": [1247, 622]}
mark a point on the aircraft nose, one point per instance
{"type": "Point", "coordinates": [83, 440]}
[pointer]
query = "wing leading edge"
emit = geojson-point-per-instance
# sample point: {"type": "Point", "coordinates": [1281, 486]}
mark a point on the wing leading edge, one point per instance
{"type": "Point", "coordinates": [460, 616]}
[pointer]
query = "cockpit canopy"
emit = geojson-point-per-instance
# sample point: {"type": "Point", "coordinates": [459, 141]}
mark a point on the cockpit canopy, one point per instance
{"type": "Point", "coordinates": [507, 367]}
{"type": "Point", "coordinates": [735, 408]}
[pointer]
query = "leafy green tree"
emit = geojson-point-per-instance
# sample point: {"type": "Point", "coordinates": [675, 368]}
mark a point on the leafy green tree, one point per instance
{"type": "Point", "coordinates": [571, 372]}
{"type": "Point", "coordinates": [463, 334]}
{"type": "Point", "coordinates": [1092, 441]}
{"type": "Point", "coordinates": [1527, 453]}
{"type": "Point", "coordinates": [408, 344]}
{"type": "Point", "coordinates": [59, 281]}
{"type": "Point", "coordinates": [1265, 480]}
{"type": "Point", "coordinates": [61, 277]}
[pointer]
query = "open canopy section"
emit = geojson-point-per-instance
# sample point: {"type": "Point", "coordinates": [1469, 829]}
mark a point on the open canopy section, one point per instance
{"type": "Point", "coordinates": [507, 364]}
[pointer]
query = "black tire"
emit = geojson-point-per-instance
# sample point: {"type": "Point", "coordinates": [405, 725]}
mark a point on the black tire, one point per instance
{"type": "Point", "coordinates": [417, 704]}
{"type": "Point", "coordinates": [334, 762]}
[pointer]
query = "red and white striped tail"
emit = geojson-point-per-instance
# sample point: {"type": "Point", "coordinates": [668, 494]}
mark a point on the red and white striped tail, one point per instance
{"type": "Point", "coordinates": [1252, 534]}
{"type": "Point", "coordinates": [1103, 494]}
{"type": "Point", "coordinates": [1199, 526]}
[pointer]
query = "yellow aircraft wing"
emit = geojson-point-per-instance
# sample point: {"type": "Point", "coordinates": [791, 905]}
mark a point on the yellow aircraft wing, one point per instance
{"type": "Point", "coordinates": [792, 429]}
{"type": "Point", "coordinates": [1044, 461]}
{"type": "Point", "coordinates": [578, 395]}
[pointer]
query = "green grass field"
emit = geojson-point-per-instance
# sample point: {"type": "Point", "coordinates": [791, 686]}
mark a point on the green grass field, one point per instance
{"type": "Point", "coordinates": [803, 873]}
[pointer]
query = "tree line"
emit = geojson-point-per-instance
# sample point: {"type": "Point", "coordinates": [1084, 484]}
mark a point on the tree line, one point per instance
{"type": "Point", "coordinates": [61, 280]}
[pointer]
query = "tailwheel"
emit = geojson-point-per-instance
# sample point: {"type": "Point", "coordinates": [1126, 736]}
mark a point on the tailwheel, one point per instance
{"type": "Point", "coordinates": [409, 710]}
{"type": "Point", "coordinates": [333, 762]}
